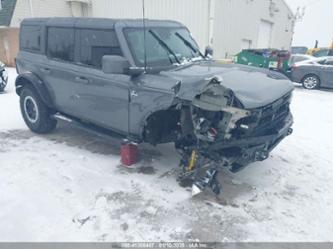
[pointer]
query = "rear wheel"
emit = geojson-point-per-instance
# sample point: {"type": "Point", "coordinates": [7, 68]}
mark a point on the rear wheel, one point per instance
{"type": "Point", "coordinates": [311, 82]}
{"type": "Point", "coordinates": [35, 113]}
{"type": "Point", "coordinates": [2, 88]}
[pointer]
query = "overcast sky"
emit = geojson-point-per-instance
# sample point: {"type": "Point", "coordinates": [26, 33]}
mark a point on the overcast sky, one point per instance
{"type": "Point", "coordinates": [316, 24]}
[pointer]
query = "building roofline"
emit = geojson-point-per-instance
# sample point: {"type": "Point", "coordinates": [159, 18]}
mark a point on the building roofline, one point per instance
{"type": "Point", "coordinates": [288, 6]}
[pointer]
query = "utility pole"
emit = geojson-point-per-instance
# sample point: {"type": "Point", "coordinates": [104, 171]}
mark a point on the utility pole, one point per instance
{"type": "Point", "coordinates": [211, 16]}
{"type": "Point", "coordinates": [300, 12]}
{"type": "Point", "coordinates": [297, 17]}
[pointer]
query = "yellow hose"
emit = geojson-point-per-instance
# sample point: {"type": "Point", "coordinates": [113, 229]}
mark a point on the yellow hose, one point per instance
{"type": "Point", "coordinates": [193, 160]}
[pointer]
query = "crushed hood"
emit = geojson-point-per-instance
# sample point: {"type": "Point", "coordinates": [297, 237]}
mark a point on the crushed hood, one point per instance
{"type": "Point", "coordinates": [253, 87]}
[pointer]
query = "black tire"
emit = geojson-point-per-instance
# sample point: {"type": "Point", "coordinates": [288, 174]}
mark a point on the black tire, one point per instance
{"type": "Point", "coordinates": [311, 81]}
{"type": "Point", "coordinates": [36, 114]}
{"type": "Point", "coordinates": [3, 86]}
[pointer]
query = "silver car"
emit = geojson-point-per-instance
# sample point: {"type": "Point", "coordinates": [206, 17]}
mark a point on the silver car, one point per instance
{"type": "Point", "coordinates": [314, 73]}
{"type": "Point", "coordinates": [295, 58]}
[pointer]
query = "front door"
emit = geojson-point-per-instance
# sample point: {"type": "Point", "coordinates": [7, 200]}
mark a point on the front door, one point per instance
{"type": "Point", "coordinates": [327, 73]}
{"type": "Point", "coordinates": [102, 99]}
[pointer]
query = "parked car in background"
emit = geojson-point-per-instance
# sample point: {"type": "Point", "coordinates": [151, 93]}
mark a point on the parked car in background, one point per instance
{"type": "Point", "coordinates": [323, 52]}
{"type": "Point", "coordinates": [314, 73]}
{"type": "Point", "coordinates": [298, 58]}
{"type": "Point", "coordinates": [3, 77]}
{"type": "Point", "coordinates": [299, 50]}
{"type": "Point", "coordinates": [295, 58]}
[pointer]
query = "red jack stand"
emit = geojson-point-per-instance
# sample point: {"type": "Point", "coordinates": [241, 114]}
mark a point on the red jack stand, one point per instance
{"type": "Point", "coordinates": [129, 153]}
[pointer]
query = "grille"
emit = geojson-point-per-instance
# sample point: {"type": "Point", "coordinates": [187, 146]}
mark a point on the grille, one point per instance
{"type": "Point", "coordinates": [268, 119]}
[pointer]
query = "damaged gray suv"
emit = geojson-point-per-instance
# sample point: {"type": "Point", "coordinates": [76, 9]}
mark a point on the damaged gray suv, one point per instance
{"type": "Point", "coordinates": [151, 85]}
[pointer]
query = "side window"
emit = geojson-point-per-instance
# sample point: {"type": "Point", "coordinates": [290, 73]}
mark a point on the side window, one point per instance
{"type": "Point", "coordinates": [60, 43]}
{"type": "Point", "coordinates": [329, 62]}
{"type": "Point", "coordinates": [321, 53]}
{"type": "Point", "coordinates": [97, 43]}
{"type": "Point", "coordinates": [30, 38]}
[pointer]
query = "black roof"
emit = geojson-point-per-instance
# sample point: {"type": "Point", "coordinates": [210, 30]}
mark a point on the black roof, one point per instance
{"type": "Point", "coordinates": [87, 22]}
{"type": "Point", "coordinates": [6, 12]}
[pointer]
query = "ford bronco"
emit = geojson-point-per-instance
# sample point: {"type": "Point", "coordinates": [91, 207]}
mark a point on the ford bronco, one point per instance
{"type": "Point", "coordinates": [150, 83]}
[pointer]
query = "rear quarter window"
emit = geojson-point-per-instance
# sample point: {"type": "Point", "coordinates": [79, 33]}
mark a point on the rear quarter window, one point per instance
{"type": "Point", "coordinates": [30, 38]}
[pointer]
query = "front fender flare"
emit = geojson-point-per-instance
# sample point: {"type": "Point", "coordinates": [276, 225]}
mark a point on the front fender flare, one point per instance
{"type": "Point", "coordinates": [37, 83]}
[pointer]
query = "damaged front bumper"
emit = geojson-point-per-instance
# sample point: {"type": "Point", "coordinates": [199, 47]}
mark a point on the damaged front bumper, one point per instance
{"type": "Point", "coordinates": [252, 149]}
{"type": "Point", "coordinates": [219, 131]}
{"type": "Point", "coordinates": [202, 165]}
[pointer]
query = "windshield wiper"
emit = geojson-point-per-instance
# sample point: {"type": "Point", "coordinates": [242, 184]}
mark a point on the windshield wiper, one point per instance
{"type": "Point", "coordinates": [190, 45]}
{"type": "Point", "coordinates": [164, 45]}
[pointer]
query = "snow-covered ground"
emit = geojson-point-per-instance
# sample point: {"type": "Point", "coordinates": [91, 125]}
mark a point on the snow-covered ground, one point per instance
{"type": "Point", "coordinates": [69, 186]}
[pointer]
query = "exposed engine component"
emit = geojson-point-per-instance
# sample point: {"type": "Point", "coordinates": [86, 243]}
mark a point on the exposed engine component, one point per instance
{"type": "Point", "coordinates": [217, 133]}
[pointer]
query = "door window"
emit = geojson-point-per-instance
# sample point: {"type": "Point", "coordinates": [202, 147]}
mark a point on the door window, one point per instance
{"type": "Point", "coordinates": [60, 43]}
{"type": "Point", "coordinates": [97, 43]}
{"type": "Point", "coordinates": [321, 53]}
{"type": "Point", "coordinates": [329, 62]}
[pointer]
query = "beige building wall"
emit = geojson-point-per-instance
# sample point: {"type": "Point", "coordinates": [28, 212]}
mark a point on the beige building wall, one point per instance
{"type": "Point", "coordinates": [8, 45]}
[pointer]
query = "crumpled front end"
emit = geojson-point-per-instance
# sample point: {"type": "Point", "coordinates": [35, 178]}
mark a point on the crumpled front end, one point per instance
{"type": "Point", "coordinates": [218, 131]}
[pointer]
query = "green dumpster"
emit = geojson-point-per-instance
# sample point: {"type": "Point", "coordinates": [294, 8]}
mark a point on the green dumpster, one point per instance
{"type": "Point", "coordinates": [267, 58]}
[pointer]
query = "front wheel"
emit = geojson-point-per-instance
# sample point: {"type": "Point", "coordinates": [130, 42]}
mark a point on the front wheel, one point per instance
{"type": "Point", "coordinates": [311, 82]}
{"type": "Point", "coordinates": [35, 113]}
{"type": "Point", "coordinates": [3, 83]}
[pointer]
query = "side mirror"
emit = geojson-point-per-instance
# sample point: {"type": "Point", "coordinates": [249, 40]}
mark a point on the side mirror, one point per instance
{"type": "Point", "coordinates": [114, 64]}
{"type": "Point", "coordinates": [209, 51]}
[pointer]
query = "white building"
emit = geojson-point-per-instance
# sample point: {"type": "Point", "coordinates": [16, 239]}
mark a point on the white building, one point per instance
{"type": "Point", "coordinates": [227, 25]}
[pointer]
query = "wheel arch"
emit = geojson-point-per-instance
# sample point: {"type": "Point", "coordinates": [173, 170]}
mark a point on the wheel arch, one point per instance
{"type": "Point", "coordinates": [158, 123]}
{"type": "Point", "coordinates": [311, 74]}
{"type": "Point", "coordinates": [34, 81]}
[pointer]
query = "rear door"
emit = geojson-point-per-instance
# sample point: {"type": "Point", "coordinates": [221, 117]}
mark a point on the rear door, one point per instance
{"type": "Point", "coordinates": [102, 99]}
{"type": "Point", "coordinates": [57, 71]}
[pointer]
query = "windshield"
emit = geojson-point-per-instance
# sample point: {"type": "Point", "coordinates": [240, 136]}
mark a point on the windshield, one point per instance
{"type": "Point", "coordinates": [164, 46]}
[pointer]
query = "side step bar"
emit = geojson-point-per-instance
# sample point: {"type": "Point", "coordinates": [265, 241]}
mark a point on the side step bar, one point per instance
{"type": "Point", "coordinates": [91, 128]}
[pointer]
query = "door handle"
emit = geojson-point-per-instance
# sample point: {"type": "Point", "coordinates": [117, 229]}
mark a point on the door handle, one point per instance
{"type": "Point", "coordinates": [82, 79]}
